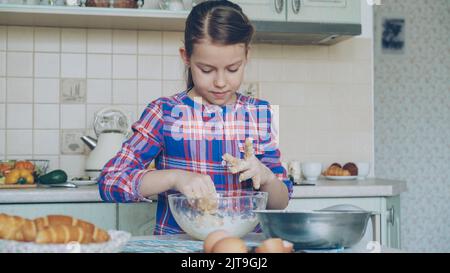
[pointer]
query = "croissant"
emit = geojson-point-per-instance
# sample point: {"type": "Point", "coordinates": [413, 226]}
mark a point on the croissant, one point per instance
{"type": "Point", "coordinates": [9, 224]}
{"type": "Point", "coordinates": [22, 229]}
{"type": "Point", "coordinates": [63, 234]}
{"type": "Point", "coordinates": [336, 171]}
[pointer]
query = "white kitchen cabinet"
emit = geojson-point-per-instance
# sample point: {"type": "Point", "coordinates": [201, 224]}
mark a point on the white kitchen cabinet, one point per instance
{"type": "Point", "coordinates": [329, 11]}
{"type": "Point", "coordinates": [264, 10]}
{"type": "Point", "coordinates": [388, 209]}
{"type": "Point", "coordinates": [136, 218]}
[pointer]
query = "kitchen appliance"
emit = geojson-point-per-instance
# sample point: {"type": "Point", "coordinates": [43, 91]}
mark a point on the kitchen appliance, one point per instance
{"type": "Point", "coordinates": [330, 228]}
{"type": "Point", "coordinates": [111, 125]}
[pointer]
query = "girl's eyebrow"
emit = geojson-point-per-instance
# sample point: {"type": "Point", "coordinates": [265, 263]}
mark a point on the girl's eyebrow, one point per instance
{"type": "Point", "coordinates": [236, 63]}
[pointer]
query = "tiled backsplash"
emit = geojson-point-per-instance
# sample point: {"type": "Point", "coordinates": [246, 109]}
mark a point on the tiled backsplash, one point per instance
{"type": "Point", "coordinates": [52, 80]}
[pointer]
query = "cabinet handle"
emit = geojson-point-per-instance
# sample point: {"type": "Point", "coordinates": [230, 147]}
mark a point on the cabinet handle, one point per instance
{"type": "Point", "coordinates": [279, 5]}
{"type": "Point", "coordinates": [296, 5]}
{"type": "Point", "coordinates": [391, 216]}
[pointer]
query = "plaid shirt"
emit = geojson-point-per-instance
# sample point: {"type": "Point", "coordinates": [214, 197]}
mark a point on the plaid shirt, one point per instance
{"type": "Point", "coordinates": [181, 133]}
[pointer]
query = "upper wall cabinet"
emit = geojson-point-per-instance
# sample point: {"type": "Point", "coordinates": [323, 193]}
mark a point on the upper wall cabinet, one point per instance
{"type": "Point", "coordinates": [312, 22]}
{"type": "Point", "coordinates": [328, 11]}
{"type": "Point", "coordinates": [264, 10]}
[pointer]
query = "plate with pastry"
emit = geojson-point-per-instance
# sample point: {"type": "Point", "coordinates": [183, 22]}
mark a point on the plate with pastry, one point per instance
{"type": "Point", "coordinates": [338, 172]}
{"type": "Point", "coordinates": [57, 234]}
{"type": "Point", "coordinates": [341, 177]}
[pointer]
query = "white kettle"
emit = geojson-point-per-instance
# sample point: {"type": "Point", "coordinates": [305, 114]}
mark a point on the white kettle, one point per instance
{"type": "Point", "coordinates": [111, 126]}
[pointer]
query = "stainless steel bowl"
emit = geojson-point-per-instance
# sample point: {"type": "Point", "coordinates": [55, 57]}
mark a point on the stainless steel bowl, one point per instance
{"type": "Point", "coordinates": [324, 229]}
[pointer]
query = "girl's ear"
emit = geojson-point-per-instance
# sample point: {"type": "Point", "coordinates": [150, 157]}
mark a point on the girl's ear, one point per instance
{"type": "Point", "coordinates": [184, 56]}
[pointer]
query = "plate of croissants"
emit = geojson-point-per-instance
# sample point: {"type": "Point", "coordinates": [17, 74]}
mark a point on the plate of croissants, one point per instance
{"type": "Point", "coordinates": [338, 172]}
{"type": "Point", "coordinates": [57, 234]}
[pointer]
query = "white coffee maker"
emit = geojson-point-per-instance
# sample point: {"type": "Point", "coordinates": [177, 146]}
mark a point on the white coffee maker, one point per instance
{"type": "Point", "coordinates": [111, 126]}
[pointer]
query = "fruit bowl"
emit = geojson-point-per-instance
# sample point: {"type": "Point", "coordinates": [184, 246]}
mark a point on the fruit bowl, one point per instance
{"type": "Point", "coordinates": [228, 210]}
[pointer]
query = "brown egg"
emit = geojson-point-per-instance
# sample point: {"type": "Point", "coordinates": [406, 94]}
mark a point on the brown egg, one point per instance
{"type": "Point", "coordinates": [213, 238]}
{"type": "Point", "coordinates": [273, 245]}
{"type": "Point", "coordinates": [230, 245]}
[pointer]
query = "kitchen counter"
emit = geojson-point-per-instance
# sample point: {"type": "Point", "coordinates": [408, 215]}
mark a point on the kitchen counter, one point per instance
{"type": "Point", "coordinates": [322, 189]}
{"type": "Point", "coordinates": [183, 243]}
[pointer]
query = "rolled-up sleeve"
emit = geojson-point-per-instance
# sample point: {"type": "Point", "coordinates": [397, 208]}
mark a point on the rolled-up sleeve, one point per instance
{"type": "Point", "coordinates": [121, 176]}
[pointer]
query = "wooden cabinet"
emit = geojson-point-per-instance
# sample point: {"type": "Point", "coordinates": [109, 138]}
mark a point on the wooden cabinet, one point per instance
{"type": "Point", "coordinates": [387, 223]}
{"type": "Point", "coordinates": [328, 11]}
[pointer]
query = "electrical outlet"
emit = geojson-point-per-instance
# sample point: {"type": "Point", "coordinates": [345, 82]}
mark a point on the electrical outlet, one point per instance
{"type": "Point", "coordinates": [250, 89]}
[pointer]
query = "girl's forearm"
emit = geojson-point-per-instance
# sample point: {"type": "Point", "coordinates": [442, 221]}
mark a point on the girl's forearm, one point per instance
{"type": "Point", "coordinates": [155, 182]}
{"type": "Point", "coordinates": [278, 193]}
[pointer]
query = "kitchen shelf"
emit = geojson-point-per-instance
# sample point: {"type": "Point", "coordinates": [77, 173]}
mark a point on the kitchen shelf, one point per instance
{"type": "Point", "coordinates": [92, 17]}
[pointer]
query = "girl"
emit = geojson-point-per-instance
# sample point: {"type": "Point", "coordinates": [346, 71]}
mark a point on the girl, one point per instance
{"type": "Point", "coordinates": [191, 134]}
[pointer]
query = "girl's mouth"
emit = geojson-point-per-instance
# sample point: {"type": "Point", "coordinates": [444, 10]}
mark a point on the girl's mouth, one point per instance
{"type": "Point", "coordinates": [219, 95]}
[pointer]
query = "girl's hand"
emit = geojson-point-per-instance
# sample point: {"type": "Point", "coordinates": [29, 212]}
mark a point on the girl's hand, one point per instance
{"type": "Point", "coordinates": [195, 185]}
{"type": "Point", "coordinates": [249, 167]}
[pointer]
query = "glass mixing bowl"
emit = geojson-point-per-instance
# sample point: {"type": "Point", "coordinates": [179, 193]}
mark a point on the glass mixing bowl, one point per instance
{"type": "Point", "coordinates": [232, 211]}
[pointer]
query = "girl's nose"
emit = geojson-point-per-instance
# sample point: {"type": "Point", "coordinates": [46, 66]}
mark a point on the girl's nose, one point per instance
{"type": "Point", "coordinates": [219, 81]}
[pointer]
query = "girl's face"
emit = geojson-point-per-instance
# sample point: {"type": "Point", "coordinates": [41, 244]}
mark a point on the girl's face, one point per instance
{"type": "Point", "coordinates": [217, 71]}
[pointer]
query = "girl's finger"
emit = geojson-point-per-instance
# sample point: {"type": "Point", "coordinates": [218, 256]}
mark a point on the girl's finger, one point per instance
{"type": "Point", "coordinates": [246, 175]}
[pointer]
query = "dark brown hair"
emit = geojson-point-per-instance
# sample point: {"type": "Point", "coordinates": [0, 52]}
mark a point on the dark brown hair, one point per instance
{"type": "Point", "coordinates": [222, 22]}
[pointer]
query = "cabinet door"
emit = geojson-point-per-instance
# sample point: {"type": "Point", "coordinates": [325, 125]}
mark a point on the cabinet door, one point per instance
{"type": "Point", "coordinates": [393, 234]}
{"type": "Point", "coordinates": [336, 11]}
{"type": "Point", "coordinates": [102, 215]}
{"type": "Point", "coordinates": [137, 218]}
{"type": "Point", "coordinates": [367, 203]}
{"type": "Point", "coordinates": [264, 10]}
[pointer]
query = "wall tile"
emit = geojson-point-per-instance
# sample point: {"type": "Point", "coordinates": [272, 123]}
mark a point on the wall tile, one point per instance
{"type": "Point", "coordinates": [149, 67]}
{"type": "Point", "coordinates": [2, 144]}
{"type": "Point", "coordinates": [19, 116]}
{"type": "Point", "coordinates": [172, 41]}
{"type": "Point", "coordinates": [2, 63]}
{"type": "Point", "coordinates": [341, 72]}
{"type": "Point", "coordinates": [2, 116]}
{"type": "Point", "coordinates": [91, 111]}
{"type": "Point", "coordinates": [46, 142]}
{"type": "Point", "coordinates": [46, 116]}
{"type": "Point", "coordinates": [20, 142]}
{"type": "Point", "coordinates": [2, 90]}
{"type": "Point", "coordinates": [99, 41]}
{"type": "Point", "coordinates": [46, 65]}
{"type": "Point", "coordinates": [270, 51]}
{"type": "Point", "coordinates": [3, 35]}
{"type": "Point", "coordinates": [73, 65]}
{"type": "Point", "coordinates": [149, 91]}
{"type": "Point", "coordinates": [124, 66]}
{"type": "Point", "coordinates": [271, 70]}
{"type": "Point", "coordinates": [99, 66]}
{"type": "Point", "coordinates": [124, 41]}
{"type": "Point", "coordinates": [173, 68]}
{"type": "Point", "coordinates": [19, 90]}
{"type": "Point", "coordinates": [73, 40]}
{"type": "Point", "coordinates": [46, 90]}
{"type": "Point", "coordinates": [284, 94]}
{"type": "Point", "coordinates": [150, 42]}
{"type": "Point", "coordinates": [47, 39]}
{"type": "Point", "coordinates": [20, 64]}
{"type": "Point", "coordinates": [53, 164]}
{"type": "Point", "coordinates": [74, 165]}
{"type": "Point", "coordinates": [20, 38]}
{"type": "Point", "coordinates": [73, 116]}
{"type": "Point", "coordinates": [305, 52]}
{"type": "Point", "coordinates": [99, 91]}
{"type": "Point", "coordinates": [171, 88]}
{"type": "Point", "coordinates": [124, 92]}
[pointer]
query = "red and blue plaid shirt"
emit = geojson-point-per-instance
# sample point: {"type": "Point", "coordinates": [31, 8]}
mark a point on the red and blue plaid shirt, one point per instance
{"type": "Point", "coordinates": [181, 133]}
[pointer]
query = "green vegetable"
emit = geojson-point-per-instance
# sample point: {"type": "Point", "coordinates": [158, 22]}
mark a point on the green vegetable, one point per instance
{"type": "Point", "coordinates": [53, 177]}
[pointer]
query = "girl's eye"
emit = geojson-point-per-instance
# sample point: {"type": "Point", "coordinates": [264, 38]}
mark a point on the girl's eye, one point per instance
{"type": "Point", "coordinates": [206, 71]}
{"type": "Point", "coordinates": [233, 70]}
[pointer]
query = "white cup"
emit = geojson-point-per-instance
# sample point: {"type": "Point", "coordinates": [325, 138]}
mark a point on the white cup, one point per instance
{"type": "Point", "coordinates": [363, 170]}
{"type": "Point", "coordinates": [311, 170]}
{"type": "Point", "coordinates": [295, 171]}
